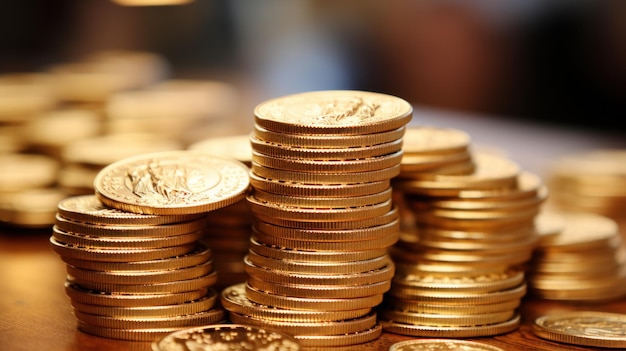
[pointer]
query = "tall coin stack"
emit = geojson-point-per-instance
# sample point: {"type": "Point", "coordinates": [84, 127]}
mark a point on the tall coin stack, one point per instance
{"type": "Point", "coordinates": [136, 269]}
{"type": "Point", "coordinates": [321, 201]}
{"type": "Point", "coordinates": [458, 271]}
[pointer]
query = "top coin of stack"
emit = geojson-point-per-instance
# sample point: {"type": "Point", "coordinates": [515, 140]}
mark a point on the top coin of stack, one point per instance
{"type": "Point", "coordinates": [321, 200]}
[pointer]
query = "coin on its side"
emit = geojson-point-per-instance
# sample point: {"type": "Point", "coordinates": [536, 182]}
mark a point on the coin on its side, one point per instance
{"type": "Point", "coordinates": [441, 345]}
{"type": "Point", "coordinates": [226, 336]}
{"type": "Point", "coordinates": [172, 182]}
{"type": "Point", "coordinates": [587, 328]}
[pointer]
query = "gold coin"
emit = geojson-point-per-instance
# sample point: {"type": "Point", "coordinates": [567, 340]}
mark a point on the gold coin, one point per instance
{"type": "Point", "coordinates": [176, 286]}
{"type": "Point", "coordinates": [234, 299]}
{"type": "Point", "coordinates": [325, 341]}
{"type": "Point", "coordinates": [445, 320]}
{"type": "Point", "coordinates": [386, 218]}
{"type": "Point", "coordinates": [452, 332]}
{"type": "Point", "coordinates": [361, 164]}
{"type": "Point", "coordinates": [476, 283]}
{"type": "Point", "coordinates": [356, 245]}
{"type": "Point", "coordinates": [200, 254]}
{"type": "Point", "coordinates": [202, 304]}
{"type": "Point", "coordinates": [318, 267]}
{"type": "Point", "coordinates": [347, 326]}
{"type": "Point", "coordinates": [322, 202]}
{"type": "Point", "coordinates": [225, 337]}
{"type": "Point", "coordinates": [206, 317]}
{"type": "Point", "coordinates": [176, 182]}
{"type": "Point", "coordinates": [283, 253]}
{"type": "Point", "coordinates": [126, 231]}
{"type": "Point", "coordinates": [235, 146]}
{"type": "Point", "coordinates": [139, 277]}
{"type": "Point", "coordinates": [312, 303]}
{"type": "Point", "coordinates": [321, 190]}
{"type": "Point", "coordinates": [337, 154]}
{"type": "Point", "coordinates": [333, 112]}
{"type": "Point", "coordinates": [442, 308]}
{"type": "Point", "coordinates": [102, 298]}
{"type": "Point", "coordinates": [584, 230]}
{"type": "Point", "coordinates": [88, 209]}
{"type": "Point", "coordinates": [121, 242]}
{"type": "Point", "coordinates": [412, 164]}
{"type": "Point", "coordinates": [434, 140]}
{"type": "Point", "coordinates": [319, 291]}
{"type": "Point", "coordinates": [491, 172]}
{"type": "Point", "coordinates": [143, 334]}
{"type": "Point", "coordinates": [316, 214]}
{"type": "Point", "coordinates": [327, 140]}
{"type": "Point", "coordinates": [326, 177]}
{"type": "Point", "coordinates": [33, 208]}
{"type": "Point", "coordinates": [441, 345]}
{"type": "Point", "coordinates": [26, 171]}
{"type": "Point", "coordinates": [586, 328]}
{"type": "Point", "coordinates": [118, 255]}
{"type": "Point", "coordinates": [452, 298]}
{"type": "Point", "coordinates": [375, 232]}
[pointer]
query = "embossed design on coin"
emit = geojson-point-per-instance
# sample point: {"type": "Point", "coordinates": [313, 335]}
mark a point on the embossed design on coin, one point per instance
{"type": "Point", "coordinates": [175, 182]}
{"type": "Point", "coordinates": [583, 328]}
{"type": "Point", "coordinates": [441, 345]}
{"type": "Point", "coordinates": [226, 337]}
{"type": "Point", "coordinates": [323, 110]}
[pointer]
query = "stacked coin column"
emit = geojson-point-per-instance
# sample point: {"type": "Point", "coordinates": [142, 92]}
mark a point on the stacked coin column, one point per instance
{"type": "Point", "coordinates": [136, 269]}
{"type": "Point", "coordinates": [321, 201]}
{"type": "Point", "coordinates": [460, 269]}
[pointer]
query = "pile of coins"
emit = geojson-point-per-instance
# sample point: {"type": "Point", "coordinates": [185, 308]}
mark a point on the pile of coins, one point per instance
{"type": "Point", "coordinates": [583, 259]}
{"type": "Point", "coordinates": [136, 268]}
{"type": "Point", "coordinates": [323, 215]}
{"type": "Point", "coordinates": [458, 268]}
{"type": "Point", "coordinates": [83, 115]}
{"type": "Point", "coordinates": [592, 181]}
{"type": "Point", "coordinates": [585, 328]}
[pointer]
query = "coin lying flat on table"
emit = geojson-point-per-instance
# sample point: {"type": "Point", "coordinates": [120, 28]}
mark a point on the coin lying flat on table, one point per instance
{"type": "Point", "coordinates": [225, 337]}
{"type": "Point", "coordinates": [172, 182]}
{"type": "Point", "coordinates": [441, 345]}
{"type": "Point", "coordinates": [587, 328]}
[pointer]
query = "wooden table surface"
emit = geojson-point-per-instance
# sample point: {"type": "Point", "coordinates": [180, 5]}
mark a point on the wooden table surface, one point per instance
{"type": "Point", "coordinates": [35, 313]}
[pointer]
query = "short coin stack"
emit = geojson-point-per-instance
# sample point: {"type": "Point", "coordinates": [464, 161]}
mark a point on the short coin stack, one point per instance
{"type": "Point", "coordinates": [584, 261]}
{"type": "Point", "coordinates": [457, 270]}
{"type": "Point", "coordinates": [228, 229]}
{"type": "Point", "coordinates": [137, 275]}
{"type": "Point", "coordinates": [321, 201]}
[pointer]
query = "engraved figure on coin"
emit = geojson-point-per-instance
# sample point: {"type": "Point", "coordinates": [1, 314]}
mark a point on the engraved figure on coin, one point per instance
{"type": "Point", "coordinates": [350, 108]}
{"type": "Point", "coordinates": [590, 326]}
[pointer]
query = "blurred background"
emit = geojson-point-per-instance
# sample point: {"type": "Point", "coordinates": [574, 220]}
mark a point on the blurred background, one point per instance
{"type": "Point", "coordinates": [84, 83]}
{"type": "Point", "coordinates": [559, 62]}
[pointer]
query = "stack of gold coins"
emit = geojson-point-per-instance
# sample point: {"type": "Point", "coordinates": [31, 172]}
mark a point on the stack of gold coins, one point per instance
{"type": "Point", "coordinates": [592, 181]}
{"type": "Point", "coordinates": [584, 261]}
{"type": "Point", "coordinates": [458, 268]}
{"type": "Point", "coordinates": [228, 229]}
{"type": "Point", "coordinates": [136, 268]}
{"type": "Point", "coordinates": [321, 200]}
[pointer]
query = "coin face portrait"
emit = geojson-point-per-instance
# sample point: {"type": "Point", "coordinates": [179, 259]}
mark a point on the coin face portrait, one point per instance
{"type": "Point", "coordinates": [173, 182]}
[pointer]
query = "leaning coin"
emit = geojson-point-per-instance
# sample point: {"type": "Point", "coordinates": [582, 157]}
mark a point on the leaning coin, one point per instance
{"type": "Point", "coordinates": [587, 328]}
{"type": "Point", "coordinates": [441, 345]}
{"type": "Point", "coordinates": [174, 182]}
{"type": "Point", "coordinates": [226, 336]}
